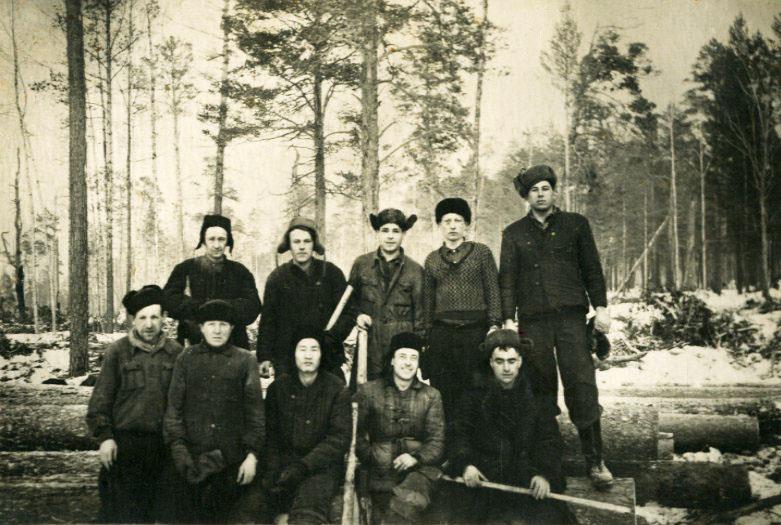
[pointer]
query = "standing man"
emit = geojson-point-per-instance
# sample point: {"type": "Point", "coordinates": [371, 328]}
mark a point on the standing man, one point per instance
{"type": "Point", "coordinates": [212, 276]}
{"type": "Point", "coordinates": [401, 434]}
{"type": "Point", "coordinates": [309, 430]}
{"type": "Point", "coordinates": [461, 303]}
{"type": "Point", "coordinates": [214, 426]}
{"type": "Point", "coordinates": [387, 288]}
{"type": "Point", "coordinates": [505, 434]}
{"type": "Point", "coordinates": [550, 273]}
{"type": "Point", "coordinates": [303, 290]}
{"type": "Point", "coordinates": [126, 409]}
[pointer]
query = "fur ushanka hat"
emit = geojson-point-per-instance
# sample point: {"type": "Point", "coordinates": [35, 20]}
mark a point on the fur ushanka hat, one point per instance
{"type": "Point", "coordinates": [392, 216]}
{"type": "Point", "coordinates": [135, 300]}
{"type": "Point", "coordinates": [301, 223]}
{"type": "Point", "coordinates": [527, 178]}
{"type": "Point", "coordinates": [216, 310]}
{"type": "Point", "coordinates": [216, 220]}
{"type": "Point", "coordinates": [455, 205]}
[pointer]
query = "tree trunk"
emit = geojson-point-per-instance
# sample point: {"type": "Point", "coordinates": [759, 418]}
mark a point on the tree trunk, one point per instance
{"type": "Point", "coordinates": [178, 163]}
{"type": "Point", "coordinates": [645, 241]}
{"type": "Point", "coordinates": [56, 276]}
{"type": "Point", "coordinates": [20, 110]}
{"type": "Point", "coordinates": [78, 288]}
{"type": "Point", "coordinates": [370, 132]}
{"type": "Point", "coordinates": [694, 432]}
{"type": "Point", "coordinates": [674, 249]}
{"type": "Point", "coordinates": [128, 166]}
{"type": "Point", "coordinates": [765, 242]}
{"type": "Point", "coordinates": [18, 260]}
{"type": "Point", "coordinates": [153, 139]}
{"type": "Point", "coordinates": [690, 270]}
{"type": "Point", "coordinates": [680, 483]}
{"type": "Point", "coordinates": [703, 219]}
{"type": "Point", "coordinates": [319, 145]}
{"type": "Point", "coordinates": [108, 153]}
{"type": "Point", "coordinates": [565, 179]}
{"type": "Point", "coordinates": [478, 176]}
{"type": "Point", "coordinates": [219, 161]}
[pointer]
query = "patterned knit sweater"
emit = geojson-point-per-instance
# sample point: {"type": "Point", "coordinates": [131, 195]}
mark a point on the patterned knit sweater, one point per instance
{"type": "Point", "coordinates": [461, 291]}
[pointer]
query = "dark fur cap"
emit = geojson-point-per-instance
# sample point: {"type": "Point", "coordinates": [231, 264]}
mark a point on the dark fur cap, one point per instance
{"type": "Point", "coordinates": [135, 300]}
{"type": "Point", "coordinates": [453, 205]}
{"type": "Point", "coordinates": [527, 178]}
{"type": "Point", "coordinates": [216, 220]}
{"type": "Point", "coordinates": [392, 216]}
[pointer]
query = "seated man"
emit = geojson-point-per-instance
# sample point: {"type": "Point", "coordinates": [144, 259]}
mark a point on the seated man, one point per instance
{"type": "Point", "coordinates": [401, 434]}
{"type": "Point", "coordinates": [505, 435]}
{"type": "Point", "coordinates": [126, 411]}
{"type": "Point", "coordinates": [215, 426]}
{"type": "Point", "coordinates": [309, 429]}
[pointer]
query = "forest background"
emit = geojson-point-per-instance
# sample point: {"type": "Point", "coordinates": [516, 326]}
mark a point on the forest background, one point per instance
{"type": "Point", "coordinates": [662, 119]}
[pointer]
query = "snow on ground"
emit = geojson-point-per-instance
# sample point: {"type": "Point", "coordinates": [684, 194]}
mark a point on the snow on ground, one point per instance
{"type": "Point", "coordinates": [690, 365]}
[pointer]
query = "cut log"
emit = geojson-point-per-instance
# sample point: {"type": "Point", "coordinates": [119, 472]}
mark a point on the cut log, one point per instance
{"type": "Point", "coordinates": [45, 464]}
{"type": "Point", "coordinates": [629, 432]}
{"type": "Point", "coordinates": [44, 427]}
{"type": "Point", "coordinates": [694, 432]}
{"type": "Point", "coordinates": [681, 483]}
{"type": "Point", "coordinates": [49, 501]}
{"type": "Point", "coordinates": [687, 391]}
{"type": "Point", "coordinates": [44, 395]}
{"type": "Point", "coordinates": [621, 493]}
{"type": "Point", "coordinates": [731, 515]}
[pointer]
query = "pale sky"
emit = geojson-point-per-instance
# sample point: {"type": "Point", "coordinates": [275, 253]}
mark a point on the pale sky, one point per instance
{"type": "Point", "coordinates": [521, 100]}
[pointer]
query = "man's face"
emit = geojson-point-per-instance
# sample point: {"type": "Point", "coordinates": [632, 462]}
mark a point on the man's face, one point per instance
{"type": "Point", "coordinates": [308, 355]}
{"type": "Point", "coordinates": [506, 364]}
{"type": "Point", "coordinates": [148, 322]}
{"type": "Point", "coordinates": [453, 227]}
{"type": "Point", "coordinates": [390, 237]}
{"type": "Point", "coordinates": [405, 363]}
{"type": "Point", "coordinates": [540, 196]}
{"type": "Point", "coordinates": [216, 333]}
{"type": "Point", "coordinates": [301, 245]}
{"type": "Point", "coordinates": [215, 238]}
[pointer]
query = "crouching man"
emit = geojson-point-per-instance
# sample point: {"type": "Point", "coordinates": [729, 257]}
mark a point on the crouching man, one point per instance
{"type": "Point", "coordinates": [126, 411]}
{"type": "Point", "coordinates": [309, 429]}
{"type": "Point", "coordinates": [506, 435]}
{"type": "Point", "coordinates": [214, 426]}
{"type": "Point", "coordinates": [401, 434]}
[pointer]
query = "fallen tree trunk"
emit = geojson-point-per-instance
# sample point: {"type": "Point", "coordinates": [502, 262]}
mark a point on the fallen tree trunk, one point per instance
{"type": "Point", "coordinates": [731, 515]}
{"type": "Point", "coordinates": [629, 432]}
{"type": "Point", "coordinates": [681, 483]}
{"type": "Point", "coordinates": [694, 432]}
{"type": "Point", "coordinates": [44, 427]}
{"type": "Point", "coordinates": [42, 501]}
{"type": "Point", "coordinates": [688, 391]}
{"type": "Point", "coordinates": [621, 493]}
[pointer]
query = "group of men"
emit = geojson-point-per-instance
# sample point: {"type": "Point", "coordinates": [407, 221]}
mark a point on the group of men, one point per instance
{"type": "Point", "coordinates": [186, 436]}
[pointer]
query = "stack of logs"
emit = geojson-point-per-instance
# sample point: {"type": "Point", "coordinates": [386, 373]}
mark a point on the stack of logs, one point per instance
{"type": "Point", "coordinates": [48, 467]}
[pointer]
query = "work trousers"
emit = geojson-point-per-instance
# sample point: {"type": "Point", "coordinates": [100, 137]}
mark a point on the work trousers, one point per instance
{"type": "Point", "coordinates": [310, 502]}
{"type": "Point", "coordinates": [561, 337]}
{"type": "Point", "coordinates": [405, 502]}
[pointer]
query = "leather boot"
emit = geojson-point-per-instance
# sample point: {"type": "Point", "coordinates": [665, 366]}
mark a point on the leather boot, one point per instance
{"type": "Point", "coordinates": [591, 446]}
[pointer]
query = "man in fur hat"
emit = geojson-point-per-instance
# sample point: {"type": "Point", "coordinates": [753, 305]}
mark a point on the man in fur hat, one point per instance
{"type": "Point", "coordinates": [309, 430]}
{"type": "Point", "coordinates": [460, 303]}
{"type": "Point", "coordinates": [214, 426]}
{"type": "Point", "coordinates": [212, 276]}
{"type": "Point", "coordinates": [303, 290]}
{"type": "Point", "coordinates": [387, 288]}
{"type": "Point", "coordinates": [126, 409]}
{"type": "Point", "coordinates": [550, 274]}
{"type": "Point", "coordinates": [504, 434]}
{"type": "Point", "coordinates": [401, 434]}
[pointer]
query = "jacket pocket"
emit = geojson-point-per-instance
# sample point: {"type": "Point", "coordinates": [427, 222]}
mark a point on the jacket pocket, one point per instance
{"type": "Point", "coordinates": [165, 375]}
{"type": "Point", "coordinates": [231, 383]}
{"type": "Point", "coordinates": [132, 376]}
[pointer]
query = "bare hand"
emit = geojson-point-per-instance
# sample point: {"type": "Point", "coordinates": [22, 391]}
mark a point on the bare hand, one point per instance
{"type": "Point", "coordinates": [404, 462]}
{"type": "Point", "coordinates": [540, 487]}
{"type": "Point", "coordinates": [107, 453]}
{"type": "Point", "coordinates": [509, 324]}
{"type": "Point", "coordinates": [265, 369]}
{"type": "Point", "coordinates": [602, 320]}
{"type": "Point", "coordinates": [363, 321]}
{"type": "Point", "coordinates": [247, 470]}
{"type": "Point", "coordinates": [473, 477]}
{"type": "Point", "coordinates": [600, 364]}
{"type": "Point", "coordinates": [492, 328]}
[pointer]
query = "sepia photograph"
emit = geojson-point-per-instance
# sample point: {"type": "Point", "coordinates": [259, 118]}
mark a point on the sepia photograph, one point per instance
{"type": "Point", "coordinates": [390, 262]}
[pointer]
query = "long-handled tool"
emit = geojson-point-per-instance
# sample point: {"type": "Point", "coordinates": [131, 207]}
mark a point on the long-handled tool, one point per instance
{"type": "Point", "coordinates": [350, 511]}
{"type": "Point", "coordinates": [339, 307]}
{"type": "Point", "coordinates": [620, 509]}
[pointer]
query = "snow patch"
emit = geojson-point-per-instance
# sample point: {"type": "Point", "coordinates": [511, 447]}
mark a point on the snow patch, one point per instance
{"type": "Point", "coordinates": [656, 514]}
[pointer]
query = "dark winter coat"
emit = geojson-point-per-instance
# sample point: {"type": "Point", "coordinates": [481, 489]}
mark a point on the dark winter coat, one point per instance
{"type": "Point", "coordinates": [392, 422]}
{"type": "Point", "coordinates": [294, 297]}
{"type": "Point", "coordinates": [393, 309]}
{"type": "Point", "coordinates": [131, 392]}
{"type": "Point", "coordinates": [215, 403]}
{"type": "Point", "coordinates": [310, 424]}
{"type": "Point", "coordinates": [230, 281]}
{"type": "Point", "coordinates": [543, 270]}
{"type": "Point", "coordinates": [509, 435]}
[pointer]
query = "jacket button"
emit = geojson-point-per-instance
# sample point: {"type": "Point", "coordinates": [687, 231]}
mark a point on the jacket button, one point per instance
{"type": "Point", "coordinates": [536, 265]}
{"type": "Point", "coordinates": [537, 283]}
{"type": "Point", "coordinates": [308, 421]}
{"type": "Point", "coordinates": [212, 425]}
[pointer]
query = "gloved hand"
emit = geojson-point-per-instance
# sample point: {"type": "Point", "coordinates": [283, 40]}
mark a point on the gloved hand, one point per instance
{"type": "Point", "coordinates": [292, 476]}
{"type": "Point", "coordinates": [183, 461]}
